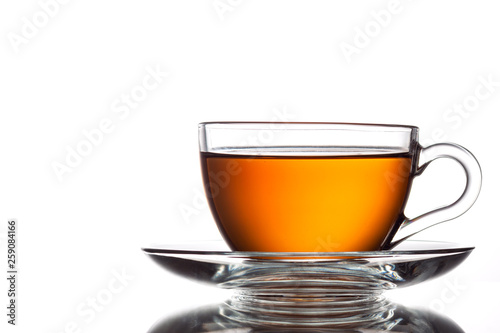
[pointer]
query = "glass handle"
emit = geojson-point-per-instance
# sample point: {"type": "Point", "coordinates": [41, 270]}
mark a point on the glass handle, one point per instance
{"type": "Point", "coordinates": [472, 187]}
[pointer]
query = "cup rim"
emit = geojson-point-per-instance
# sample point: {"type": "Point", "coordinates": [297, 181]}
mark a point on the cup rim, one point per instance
{"type": "Point", "coordinates": [293, 123]}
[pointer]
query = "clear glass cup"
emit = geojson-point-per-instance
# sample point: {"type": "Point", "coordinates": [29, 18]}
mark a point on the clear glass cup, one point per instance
{"type": "Point", "coordinates": [316, 187]}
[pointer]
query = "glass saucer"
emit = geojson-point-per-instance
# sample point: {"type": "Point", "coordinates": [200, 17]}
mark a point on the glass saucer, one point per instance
{"type": "Point", "coordinates": [310, 288]}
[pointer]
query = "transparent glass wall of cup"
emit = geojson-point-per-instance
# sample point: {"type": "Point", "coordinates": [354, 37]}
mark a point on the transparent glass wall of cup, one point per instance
{"type": "Point", "coordinates": [321, 187]}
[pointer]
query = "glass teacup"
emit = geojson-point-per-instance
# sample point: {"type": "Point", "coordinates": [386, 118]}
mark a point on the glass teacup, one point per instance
{"type": "Point", "coordinates": [294, 187]}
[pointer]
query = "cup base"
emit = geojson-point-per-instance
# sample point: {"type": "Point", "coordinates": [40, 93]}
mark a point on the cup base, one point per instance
{"type": "Point", "coordinates": [323, 308]}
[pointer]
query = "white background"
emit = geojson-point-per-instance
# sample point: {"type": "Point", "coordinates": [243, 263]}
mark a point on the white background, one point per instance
{"type": "Point", "coordinates": [242, 62]}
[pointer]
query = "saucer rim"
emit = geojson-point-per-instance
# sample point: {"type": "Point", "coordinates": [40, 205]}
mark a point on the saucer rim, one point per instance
{"type": "Point", "coordinates": [168, 250]}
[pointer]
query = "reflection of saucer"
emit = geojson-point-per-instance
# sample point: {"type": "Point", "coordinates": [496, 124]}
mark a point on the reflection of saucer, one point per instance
{"type": "Point", "coordinates": [213, 319]}
{"type": "Point", "coordinates": [340, 287]}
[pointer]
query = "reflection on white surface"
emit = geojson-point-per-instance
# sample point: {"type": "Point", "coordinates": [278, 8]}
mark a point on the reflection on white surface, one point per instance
{"type": "Point", "coordinates": [219, 318]}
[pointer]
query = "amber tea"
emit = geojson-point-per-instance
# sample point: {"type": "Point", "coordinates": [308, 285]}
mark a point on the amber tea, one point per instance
{"type": "Point", "coordinates": [306, 203]}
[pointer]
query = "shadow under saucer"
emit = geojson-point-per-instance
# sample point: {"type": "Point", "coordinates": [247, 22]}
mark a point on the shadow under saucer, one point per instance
{"type": "Point", "coordinates": [223, 318]}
